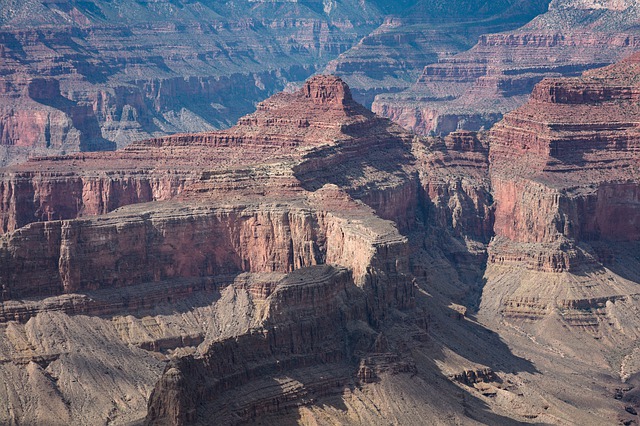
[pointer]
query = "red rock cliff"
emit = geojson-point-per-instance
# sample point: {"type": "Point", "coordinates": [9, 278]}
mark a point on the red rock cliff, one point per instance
{"type": "Point", "coordinates": [564, 167]}
{"type": "Point", "coordinates": [310, 182]}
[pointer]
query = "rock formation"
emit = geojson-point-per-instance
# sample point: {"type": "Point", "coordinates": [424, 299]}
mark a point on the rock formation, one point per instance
{"type": "Point", "coordinates": [86, 76]}
{"type": "Point", "coordinates": [94, 76]}
{"type": "Point", "coordinates": [563, 266]}
{"type": "Point", "coordinates": [318, 263]}
{"type": "Point", "coordinates": [565, 165]}
{"type": "Point", "coordinates": [474, 89]}
{"type": "Point", "coordinates": [177, 215]}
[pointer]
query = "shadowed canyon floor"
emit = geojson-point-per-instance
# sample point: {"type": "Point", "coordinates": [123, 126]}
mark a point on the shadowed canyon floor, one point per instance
{"type": "Point", "coordinates": [318, 264]}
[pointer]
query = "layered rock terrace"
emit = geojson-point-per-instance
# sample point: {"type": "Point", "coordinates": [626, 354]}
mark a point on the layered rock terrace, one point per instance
{"type": "Point", "coordinates": [174, 218]}
{"type": "Point", "coordinates": [96, 76]}
{"type": "Point", "coordinates": [565, 178]}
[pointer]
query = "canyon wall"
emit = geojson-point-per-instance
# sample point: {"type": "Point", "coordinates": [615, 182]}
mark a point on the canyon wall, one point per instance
{"type": "Point", "coordinates": [455, 185]}
{"type": "Point", "coordinates": [391, 58]}
{"type": "Point", "coordinates": [129, 72]}
{"type": "Point", "coordinates": [267, 211]}
{"type": "Point", "coordinates": [86, 78]}
{"type": "Point", "coordinates": [568, 134]}
{"type": "Point", "coordinates": [317, 256]}
{"type": "Point", "coordinates": [562, 267]}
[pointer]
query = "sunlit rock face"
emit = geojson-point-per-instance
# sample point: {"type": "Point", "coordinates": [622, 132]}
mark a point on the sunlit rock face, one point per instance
{"type": "Point", "coordinates": [319, 263]}
{"type": "Point", "coordinates": [100, 75]}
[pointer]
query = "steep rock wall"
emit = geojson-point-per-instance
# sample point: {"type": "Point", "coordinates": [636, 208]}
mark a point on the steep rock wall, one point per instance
{"type": "Point", "coordinates": [130, 71]}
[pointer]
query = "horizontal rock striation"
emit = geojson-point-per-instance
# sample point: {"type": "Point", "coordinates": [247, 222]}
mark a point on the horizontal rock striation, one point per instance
{"type": "Point", "coordinates": [579, 141]}
{"type": "Point", "coordinates": [330, 307]}
{"type": "Point", "coordinates": [332, 133]}
{"type": "Point", "coordinates": [565, 181]}
{"type": "Point", "coordinates": [286, 222]}
{"type": "Point", "coordinates": [318, 253]}
{"type": "Point", "coordinates": [391, 58]}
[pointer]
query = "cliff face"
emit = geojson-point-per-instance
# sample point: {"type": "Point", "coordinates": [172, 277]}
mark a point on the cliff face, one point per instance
{"type": "Point", "coordinates": [191, 388]}
{"type": "Point", "coordinates": [564, 172]}
{"type": "Point", "coordinates": [456, 185]}
{"type": "Point", "coordinates": [568, 134]}
{"type": "Point", "coordinates": [316, 256]}
{"type": "Point", "coordinates": [474, 89]}
{"type": "Point", "coordinates": [268, 209]}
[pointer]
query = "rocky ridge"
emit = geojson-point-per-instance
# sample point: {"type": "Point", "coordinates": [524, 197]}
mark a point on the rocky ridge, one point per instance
{"type": "Point", "coordinates": [87, 76]}
{"type": "Point", "coordinates": [562, 268]}
{"type": "Point", "coordinates": [316, 261]}
{"type": "Point", "coordinates": [392, 57]}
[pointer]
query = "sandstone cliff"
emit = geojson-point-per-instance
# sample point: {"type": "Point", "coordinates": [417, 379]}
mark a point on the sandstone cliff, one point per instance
{"type": "Point", "coordinates": [562, 269]}
{"type": "Point", "coordinates": [318, 263]}
{"type": "Point", "coordinates": [93, 76]}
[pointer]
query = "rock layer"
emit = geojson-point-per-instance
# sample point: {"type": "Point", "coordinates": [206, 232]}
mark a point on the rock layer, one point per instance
{"type": "Point", "coordinates": [562, 268]}
{"type": "Point", "coordinates": [317, 263]}
{"type": "Point", "coordinates": [391, 58]}
{"type": "Point", "coordinates": [186, 220]}
{"type": "Point", "coordinates": [579, 141]}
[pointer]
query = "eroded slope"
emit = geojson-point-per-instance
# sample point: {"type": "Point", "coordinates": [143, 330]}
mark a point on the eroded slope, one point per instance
{"type": "Point", "coordinates": [317, 263]}
{"type": "Point", "coordinates": [87, 76]}
{"type": "Point", "coordinates": [562, 272]}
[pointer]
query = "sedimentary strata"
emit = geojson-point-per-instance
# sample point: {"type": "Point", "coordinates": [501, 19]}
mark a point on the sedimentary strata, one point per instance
{"type": "Point", "coordinates": [319, 263]}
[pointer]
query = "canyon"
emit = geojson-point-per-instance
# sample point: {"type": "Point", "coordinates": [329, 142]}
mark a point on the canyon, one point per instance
{"type": "Point", "coordinates": [92, 76]}
{"type": "Point", "coordinates": [243, 231]}
{"type": "Point", "coordinates": [467, 253]}
{"type": "Point", "coordinates": [96, 76]}
{"type": "Point", "coordinates": [391, 58]}
{"type": "Point", "coordinates": [319, 264]}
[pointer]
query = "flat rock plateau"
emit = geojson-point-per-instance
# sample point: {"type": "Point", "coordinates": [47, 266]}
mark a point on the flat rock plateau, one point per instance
{"type": "Point", "coordinates": [319, 264]}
